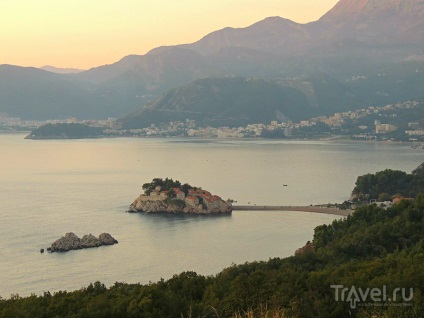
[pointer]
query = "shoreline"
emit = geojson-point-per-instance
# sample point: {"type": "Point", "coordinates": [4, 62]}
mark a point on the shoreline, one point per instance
{"type": "Point", "coordinates": [335, 138]}
{"type": "Point", "coordinates": [310, 209]}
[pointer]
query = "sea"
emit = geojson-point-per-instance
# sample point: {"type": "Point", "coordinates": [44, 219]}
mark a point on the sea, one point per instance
{"type": "Point", "coordinates": [51, 187]}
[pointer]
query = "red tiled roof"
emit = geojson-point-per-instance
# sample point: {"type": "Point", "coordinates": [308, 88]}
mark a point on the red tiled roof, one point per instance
{"type": "Point", "coordinates": [395, 200]}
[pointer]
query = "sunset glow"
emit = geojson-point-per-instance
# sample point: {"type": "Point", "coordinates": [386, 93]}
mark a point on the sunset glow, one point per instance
{"type": "Point", "coordinates": [84, 34]}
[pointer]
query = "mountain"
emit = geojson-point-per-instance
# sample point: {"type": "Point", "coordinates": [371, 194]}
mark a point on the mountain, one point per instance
{"type": "Point", "coordinates": [375, 22]}
{"type": "Point", "coordinates": [222, 101]}
{"type": "Point", "coordinates": [272, 35]}
{"type": "Point", "coordinates": [161, 67]}
{"type": "Point", "coordinates": [236, 101]}
{"type": "Point", "coordinates": [349, 38]}
{"type": "Point", "coordinates": [355, 39]}
{"type": "Point", "coordinates": [58, 70]}
{"type": "Point", "coordinates": [31, 93]}
{"type": "Point", "coordinates": [257, 50]}
{"type": "Point", "coordinates": [388, 22]}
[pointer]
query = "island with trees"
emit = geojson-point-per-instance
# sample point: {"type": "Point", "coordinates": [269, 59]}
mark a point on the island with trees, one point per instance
{"type": "Point", "coordinates": [65, 131]}
{"type": "Point", "coordinates": [169, 196]}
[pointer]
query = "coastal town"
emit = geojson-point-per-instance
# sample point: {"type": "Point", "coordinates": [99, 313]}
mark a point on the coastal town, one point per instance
{"type": "Point", "coordinates": [392, 122]}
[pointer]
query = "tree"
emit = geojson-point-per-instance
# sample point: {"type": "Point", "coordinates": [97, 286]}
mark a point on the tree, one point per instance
{"type": "Point", "coordinates": [171, 194]}
{"type": "Point", "coordinates": [185, 187]}
{"type": "Point", "coordinates": [384, 197]}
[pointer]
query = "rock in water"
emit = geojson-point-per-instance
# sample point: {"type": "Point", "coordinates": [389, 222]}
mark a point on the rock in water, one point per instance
{"type": "Point", "coordinates": [90, 240]}
{"type": "Point", "coordinates": [72, 242]}
{"type": "Point", "coordinates": [66, 243]}
{"type": "Point", "coordinates": [107, 239]}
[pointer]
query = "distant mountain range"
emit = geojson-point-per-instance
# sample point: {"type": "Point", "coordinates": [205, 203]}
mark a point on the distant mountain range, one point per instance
{"type": "Point", "coordinates": [58, 70]}
{"type": "Point", "coordinates": [31, 93]}
{"type": "Point", "coordinates": [373, 49]}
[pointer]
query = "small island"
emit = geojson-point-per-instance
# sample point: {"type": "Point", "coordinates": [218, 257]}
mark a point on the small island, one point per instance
{"type": "Point", "coordinates": [169, 196]}
{"type": "Point", "coordinates": [72, 242]}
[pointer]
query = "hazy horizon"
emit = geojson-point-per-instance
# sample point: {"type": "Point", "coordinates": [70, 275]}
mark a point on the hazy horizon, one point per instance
{"type": "Point", "coordinates": [80, 35]}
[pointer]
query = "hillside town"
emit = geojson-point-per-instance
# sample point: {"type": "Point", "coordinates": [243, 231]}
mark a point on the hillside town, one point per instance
{"type": "Point", "coordinates": [392, 122]}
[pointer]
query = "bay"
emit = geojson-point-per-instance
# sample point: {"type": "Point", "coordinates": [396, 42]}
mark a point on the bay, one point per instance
{"type": "Point", "coordinates": [51, 187]}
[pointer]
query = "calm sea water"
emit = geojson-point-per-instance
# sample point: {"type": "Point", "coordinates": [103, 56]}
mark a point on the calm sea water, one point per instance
{"type": "Point", "coordinates": [48, 188]}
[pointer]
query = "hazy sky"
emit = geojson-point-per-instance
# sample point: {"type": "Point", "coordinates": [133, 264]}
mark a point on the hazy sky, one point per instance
{"type": "Point", "coordinates": [87, 33]}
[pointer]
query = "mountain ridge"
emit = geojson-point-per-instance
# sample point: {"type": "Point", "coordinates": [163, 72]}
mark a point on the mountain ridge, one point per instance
{"type": "Point", "coordinates": [366, 21]}
{"type": "Point", "coordinates": [376, 21]}
{"type": "Point", "coordinates": [271, 34]}
{"type": "Point", "coordinates": [59, 70]}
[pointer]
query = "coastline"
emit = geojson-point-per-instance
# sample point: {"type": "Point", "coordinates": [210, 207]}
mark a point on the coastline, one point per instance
{"type": "Point", "coordinates": [310, 209]}
{"type": "Point", "coordinates": [335, 138]}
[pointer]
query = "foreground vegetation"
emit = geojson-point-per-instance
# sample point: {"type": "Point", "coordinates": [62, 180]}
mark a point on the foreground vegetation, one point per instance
{"type": "Point", "coordinates": [371, 248]}
{"type": "Point", "coordinates": [387, 184]}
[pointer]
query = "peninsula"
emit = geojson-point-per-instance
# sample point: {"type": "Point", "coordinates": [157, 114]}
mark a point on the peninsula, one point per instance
{"type": "Point", "coordinates": [65, 131]}
{"type": "Point", "coordinates": [169, 196]}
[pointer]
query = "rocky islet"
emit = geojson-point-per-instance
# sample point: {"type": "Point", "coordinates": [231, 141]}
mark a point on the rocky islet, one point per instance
{"type": "Point", "coordinates": [72, 242]}
{"type": "Point", "coordinates": [169, 196]}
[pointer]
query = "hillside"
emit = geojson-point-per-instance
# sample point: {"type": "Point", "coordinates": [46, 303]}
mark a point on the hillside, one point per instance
{"type": "Point", "coordinates": [163, 66]}
{"type": "Point", "coordinates": [31, 93]}
{"type": "Point", "coordinates": [387, 184]}
{"type": "Point", "coordinates": [376, 21]}
{"type": "Point", "coordinates": [237, 101]}
{"type": "Point", "coordinates": [272, 35]}
{"type": "Point", "coordinates": [222, 101]}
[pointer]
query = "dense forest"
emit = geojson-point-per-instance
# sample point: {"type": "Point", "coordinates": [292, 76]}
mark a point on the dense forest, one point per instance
{"type": "Point", "coordinates": [387, 184]}
{"type": "Point", "coordinates": [371, 248]}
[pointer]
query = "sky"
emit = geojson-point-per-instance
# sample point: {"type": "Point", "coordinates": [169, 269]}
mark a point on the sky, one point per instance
{"type": "Point", "coordinates": [88, 33]}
